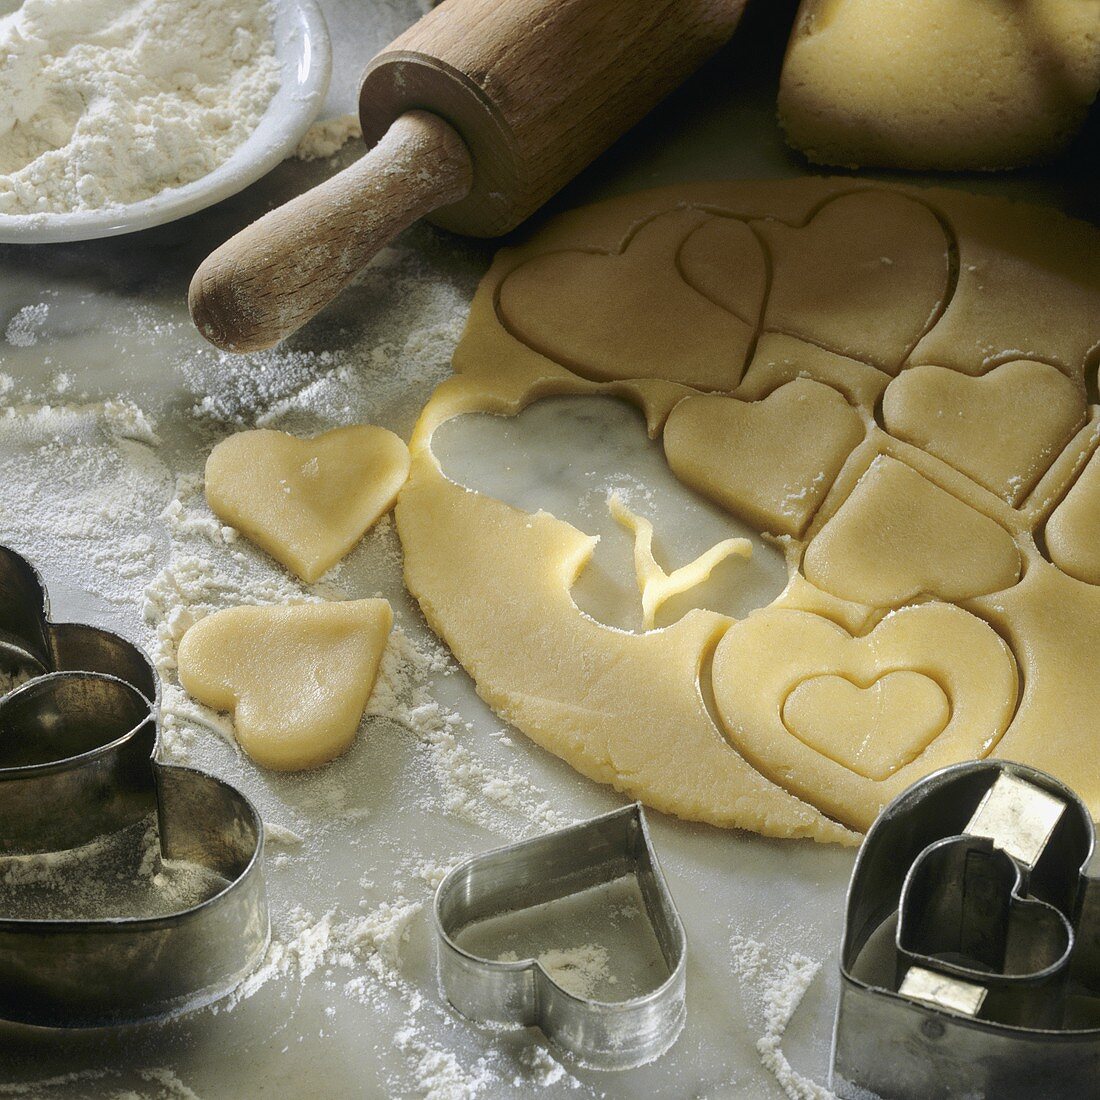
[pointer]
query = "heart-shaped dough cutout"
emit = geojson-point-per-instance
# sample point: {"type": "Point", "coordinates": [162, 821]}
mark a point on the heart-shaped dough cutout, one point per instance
{"type": "Point", "coordinates": [762, 660]}
{"type": "Point", "coordinates": [770, 462]}
{"type": "Point", "coordinates": [296, 678]}
{"type": "Point", "coordinates": [1073, 531]}
{"type": "Point", "coordinates": [307, 502]}
{"type": "Point", "coordinates": [634, 314]}
{"type": "Point", "coordinates": [866, 277]}
{"type": "Point", "coordinates": [899, 536]}
{"type": "Point", "coordinates": [872, 730]}
{"type": "Point", "coordinates": [1003, 429]}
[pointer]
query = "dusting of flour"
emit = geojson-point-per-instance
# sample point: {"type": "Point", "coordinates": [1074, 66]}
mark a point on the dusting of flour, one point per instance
{"type": "Point", "coordinates": [778, 984]}
{"type": "Point", "coordinates": [107, 102]}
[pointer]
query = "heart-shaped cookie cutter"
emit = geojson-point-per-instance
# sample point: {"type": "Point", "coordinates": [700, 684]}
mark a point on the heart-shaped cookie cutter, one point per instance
{"type": "Point", "coordinates": [548, 868]}
{"type": "Point", "coordinates": [970, 963]}
{"type": "Point", "coordinates": [77, 762]}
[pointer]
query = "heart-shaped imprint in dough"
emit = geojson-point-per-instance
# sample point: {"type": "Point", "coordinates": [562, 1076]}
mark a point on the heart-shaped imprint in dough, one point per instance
{"type": "Point", "coordinates": [899, 536]}
{"type": "Point", "coordinates": [1003, 429]}
{"type": "Point", "coordinates": [639, 313]}
{"type": "Point", "coordinates": [296, 678]}
{"type": "Point", "coordinates": [764, 675]}
{"type": "Point", "coordinates": [307, 502]}
{"type": "Point", "coordinates": [871, 729]}
{"type": "Point", "coordinates": [866, 277]}
{"type": "Point", "coordinates": [770, 462]}
{"type": "Point", "coordinates": [1073, 531]}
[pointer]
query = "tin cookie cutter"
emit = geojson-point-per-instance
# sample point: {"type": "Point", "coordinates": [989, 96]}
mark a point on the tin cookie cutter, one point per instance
{"type": "Point", "coordinates": [970, 964]}
{"type": "Point", "coordinates": [601, 1034]}
{"type": "Point", "coordinates": [77, 745]}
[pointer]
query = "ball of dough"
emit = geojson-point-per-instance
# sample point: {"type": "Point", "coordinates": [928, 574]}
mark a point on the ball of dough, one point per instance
{"type": "Point", "coordinates": [939, 84]}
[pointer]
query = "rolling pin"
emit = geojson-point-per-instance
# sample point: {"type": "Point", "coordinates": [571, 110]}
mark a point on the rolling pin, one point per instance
{"type": "Point", "coordinates": [476, 115]}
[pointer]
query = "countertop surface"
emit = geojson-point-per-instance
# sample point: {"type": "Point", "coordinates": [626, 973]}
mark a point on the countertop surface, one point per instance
{"type": "Point", "coordinates": [115, 402]}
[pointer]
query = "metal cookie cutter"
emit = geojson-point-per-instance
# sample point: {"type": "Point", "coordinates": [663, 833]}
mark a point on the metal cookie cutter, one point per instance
{"type": "Point", "coordinates": [970, 964]}
{"type": "Point", "coordinates": [602, 1034]}
{"type": "Point", "coordinates": [77, 745]}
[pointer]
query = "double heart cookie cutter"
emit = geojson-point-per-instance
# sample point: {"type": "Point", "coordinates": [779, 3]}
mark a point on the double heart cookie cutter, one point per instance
{"type": "Point", "coordinates": [970, 964]}
{"type": "Point", "coordinates": [548, 868]}
{"type": "Point", "coordinates": [78, 735]}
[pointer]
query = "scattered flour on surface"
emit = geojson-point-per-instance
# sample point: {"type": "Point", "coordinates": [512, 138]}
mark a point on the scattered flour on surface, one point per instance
{"type": "Point", "coordinates": [24, 327]}
{"type": "Point", "coordinates": [327, 137]}
{"type": "Point", "coordinates": [578, 970]}
{"type": "Point", "coordinates": [779, 985]}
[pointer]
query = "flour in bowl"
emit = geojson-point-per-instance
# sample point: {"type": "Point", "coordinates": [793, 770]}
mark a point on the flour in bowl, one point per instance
{"type": "Point", "coordinates": [108, 102]}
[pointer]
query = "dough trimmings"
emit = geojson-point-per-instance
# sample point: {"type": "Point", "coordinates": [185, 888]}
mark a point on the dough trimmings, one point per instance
{"type": "Point", "coordinates": [654, 583]}
{"type": "Point", "coordinates": [939, 597]}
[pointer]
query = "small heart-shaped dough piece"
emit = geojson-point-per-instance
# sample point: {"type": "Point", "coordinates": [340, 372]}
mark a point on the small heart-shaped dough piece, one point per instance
{"type": "Point", "coordinates": [1003, 429]}
{"type": "Point", "coordinates": [296, 678]}
{"type": "Point", "coordinates": [634, 315]}
{"type": "Point", "coordinates": [899, 536]}
{"type": "Point", "coordinates": [864, 278]}
{"type": "Point", "coordinates": [765, 664]}
{"type": "Point", "coordinates": [770, 462]}
{"type": "Point", "coordinates": [307, 502]}
{"type": "Point", "coordinates": [871, 730]}
{"type": "Point", "coordinates": [1073, 531]}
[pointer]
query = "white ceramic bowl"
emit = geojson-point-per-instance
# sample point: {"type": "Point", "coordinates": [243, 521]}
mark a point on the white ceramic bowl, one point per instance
{"type": "Point", "coordinates": [305, 64]}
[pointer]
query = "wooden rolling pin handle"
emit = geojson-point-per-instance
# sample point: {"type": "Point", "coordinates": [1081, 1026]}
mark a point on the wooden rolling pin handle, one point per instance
{"type": "Point", "coordinates": [273, 276]}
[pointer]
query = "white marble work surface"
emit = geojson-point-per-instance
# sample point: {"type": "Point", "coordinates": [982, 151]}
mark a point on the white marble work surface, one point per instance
{"type": "Point", "coordinates": [115, 403]}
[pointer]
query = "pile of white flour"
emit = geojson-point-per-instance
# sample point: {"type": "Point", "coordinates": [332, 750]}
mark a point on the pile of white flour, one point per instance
{"type": "Point", "coordinates": [108, 102]}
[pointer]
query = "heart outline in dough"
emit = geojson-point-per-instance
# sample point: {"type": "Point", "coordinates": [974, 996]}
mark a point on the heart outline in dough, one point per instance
{"type": "Point", "coordinates": [818, 429]}
{"type": "Point", "coordinates": [570, 305]}
{"type": "Point", "coordinates": [774, 650]}
{"type": "Point", "coordinates": [661, 280]}
{"type": "Point", "coordinates": [1027, 412]}
{"type": "Point", "coordinates": [819, 712]}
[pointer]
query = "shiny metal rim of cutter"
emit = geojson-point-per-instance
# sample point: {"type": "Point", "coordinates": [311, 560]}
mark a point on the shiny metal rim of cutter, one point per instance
{"type": "Point", "coordinates": [600, 1034]}
{"type": "Point", "coordinates": [970, 964]}
{"type": "Point", "coordinates": [77, 745]}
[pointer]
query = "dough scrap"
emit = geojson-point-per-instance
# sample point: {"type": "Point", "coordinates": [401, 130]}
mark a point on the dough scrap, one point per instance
{"type": "Point", "coordinates": [898, 536]}
{"type": "Point", "coordinates": [1002, 429]}
{"type": "Point", "coordinates": [307, 502]}
{"type": "Point", "coordinates": [296, 678]}
{"type": "Point", "coordinates": [936, 85]}
{"type": "Point", "coordinates": [905, 566]}
{"type": "Point", "coordinates": [657, 586]}
{"type": "Point", "coordinates": [779, 455]}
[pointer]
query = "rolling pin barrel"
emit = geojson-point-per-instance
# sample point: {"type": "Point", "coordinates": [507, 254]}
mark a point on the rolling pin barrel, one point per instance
{"type": "Point", "coordinates": [477, 114]}
{"type": "Point", "coordinates": [537, 88]}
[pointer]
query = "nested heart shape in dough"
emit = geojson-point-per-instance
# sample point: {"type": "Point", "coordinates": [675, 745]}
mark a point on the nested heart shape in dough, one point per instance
{"type": "Point", "coordinates": [681, 301]}
{"type": "Point", "coordinates": [898, 536]}
{"type": "Point", "coordinates": [1003, 429]}
{"type": "Point", "coordinates": [866, 277]}
{"type": "Point", "coordinates": [307, 502]}
{"type": "Point", "coordinates": [762, 662]}
{"type": "Point", "coordinates": [296, 678]}
{"type": "Point", "coordinates": [872, 729]}
{"type": "Point", "coordinates": [770, 462]}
